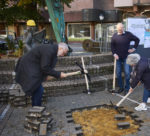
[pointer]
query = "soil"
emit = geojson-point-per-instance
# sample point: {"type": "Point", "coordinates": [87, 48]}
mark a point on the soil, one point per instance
{"type": "Point", "coordinates": [101, 122]}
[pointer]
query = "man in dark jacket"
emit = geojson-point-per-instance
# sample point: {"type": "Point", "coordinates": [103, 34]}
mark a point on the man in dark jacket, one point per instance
{"type": "Point", "coordinates": [120, 47]}
{"type": "Point", "coordinates": [140, 73]}
{"type": "Point", "coordinates": [34, 67]}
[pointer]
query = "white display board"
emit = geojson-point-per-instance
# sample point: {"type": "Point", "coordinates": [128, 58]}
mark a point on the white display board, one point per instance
{"type": "Point", "coordinates": [136, 26]}
{"type": "Point", "coordinates": [141, 28]}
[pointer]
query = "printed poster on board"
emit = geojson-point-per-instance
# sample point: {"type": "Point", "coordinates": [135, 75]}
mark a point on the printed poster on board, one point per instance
{"type": "Point", "coordinates": [141, 28]}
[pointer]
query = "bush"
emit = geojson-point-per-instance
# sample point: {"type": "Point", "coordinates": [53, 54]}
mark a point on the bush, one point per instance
{"type": "Point", "coordinates": [10, 43]}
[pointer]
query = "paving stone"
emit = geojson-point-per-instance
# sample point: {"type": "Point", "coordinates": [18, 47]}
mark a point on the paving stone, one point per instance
{"type": "Point", "coordinates": [43, 130]}
{"type": "Point", "coordinates": [123, 125]}
{"type": "Point", "coordinates": [120, 117]}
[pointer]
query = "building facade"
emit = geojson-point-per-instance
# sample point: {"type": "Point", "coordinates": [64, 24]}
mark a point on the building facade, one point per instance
{"type": "Point", "coordinates": [91, 19]}
{"type": "Point", "coordinates": [85, 18]}
{"type": "Point", "coordinates": [133, 7]}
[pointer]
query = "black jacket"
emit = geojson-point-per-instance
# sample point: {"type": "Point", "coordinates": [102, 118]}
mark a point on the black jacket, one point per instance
{"type": "Point", "coordinates": [141, 73]}
{"type": "Point", "coordinates": [121, 43]}
{"type": "Point", "coordinates": [32, 69]}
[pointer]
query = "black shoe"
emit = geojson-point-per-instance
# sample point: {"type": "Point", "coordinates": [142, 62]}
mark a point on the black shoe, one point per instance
{"type": "Point", "coordinates": [126, 91]}
{"type": "Point", "coordinates": [120, 90]}
{"type": "Point", "coordinates": [87, 91]}
{"type": "Point", "coordinates": [111, 91]}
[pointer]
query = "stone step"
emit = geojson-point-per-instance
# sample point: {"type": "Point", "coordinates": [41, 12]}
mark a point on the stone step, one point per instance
{"type": "Point", "coordinates": [6, 77]}
{"type": "Point", "coordinates": [58, 88]}
{"type": "Point", "coordinates": [88, 59]}
{"type": "Point", "coordinates": [100, 68]}
{"type": "Point", "coordinates": [9, 64]}
{"type": "Point", "coordinates": [93, 70]}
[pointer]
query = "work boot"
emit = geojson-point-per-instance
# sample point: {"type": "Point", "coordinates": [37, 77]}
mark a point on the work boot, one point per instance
{"type": "Point", "coordinates": [142, 106]}
{"type": "Point", "coordinates": [125, 92]}
{"type": "Point", "coordinates": [120, 90]}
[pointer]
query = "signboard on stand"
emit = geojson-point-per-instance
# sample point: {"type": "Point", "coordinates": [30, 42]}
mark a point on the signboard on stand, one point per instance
{"type": "Point", "coordinates": [141, 28]}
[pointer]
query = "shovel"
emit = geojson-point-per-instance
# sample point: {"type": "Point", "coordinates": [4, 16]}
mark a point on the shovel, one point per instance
{"type": "Point", "coordinates": [120, 102]}
{"type": "Point", "coordinates": [114, 78]}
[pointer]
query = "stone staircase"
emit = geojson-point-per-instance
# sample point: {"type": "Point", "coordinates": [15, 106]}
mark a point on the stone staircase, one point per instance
{"type": "Point", "coordinates": [100, 69]}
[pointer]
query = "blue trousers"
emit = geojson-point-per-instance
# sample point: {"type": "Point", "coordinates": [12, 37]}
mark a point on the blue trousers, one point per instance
{"type": "Point", "coordinates": [127, 70]}
{"type": "Point", "coordinates": [146, 95]}
{"type": "Point", "coordinates": [37, 96]}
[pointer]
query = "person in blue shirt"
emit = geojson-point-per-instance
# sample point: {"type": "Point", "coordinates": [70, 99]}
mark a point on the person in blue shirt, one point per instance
{"type": "Point", "coordinates": [120, 47]}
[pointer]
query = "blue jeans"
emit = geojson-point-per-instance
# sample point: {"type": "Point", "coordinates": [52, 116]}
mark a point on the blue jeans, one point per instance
{"type": "Point", "coordinates": [146, 95]}
{"type": "Point", "coordinates": [127, 70]}
{"type": "Point", "coordinates": [37, 96]}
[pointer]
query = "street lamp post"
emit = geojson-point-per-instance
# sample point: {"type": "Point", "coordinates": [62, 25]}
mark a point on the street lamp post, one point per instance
{"type": "Point", "coordinates": [101, 18]}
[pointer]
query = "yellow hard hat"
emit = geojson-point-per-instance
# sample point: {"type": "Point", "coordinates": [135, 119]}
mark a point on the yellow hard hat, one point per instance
{"type": "Point", "coordinates": [31, 23]}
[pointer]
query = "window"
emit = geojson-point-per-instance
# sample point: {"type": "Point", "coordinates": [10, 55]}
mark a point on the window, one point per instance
{"type": "Point", "coordinates": [79, 31]}
{"type": "Point", "coordinates": [103, 34]}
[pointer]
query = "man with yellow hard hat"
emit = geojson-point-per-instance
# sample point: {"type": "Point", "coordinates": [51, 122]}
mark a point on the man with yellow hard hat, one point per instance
{"type": "Point", "coordinates": [31, 23]}
{"type": "Point", "coordinates": [29, 41]}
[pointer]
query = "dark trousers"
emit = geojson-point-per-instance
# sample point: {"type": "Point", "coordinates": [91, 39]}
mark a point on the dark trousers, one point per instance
{"type": "Point", "coordinates": [127, 70]}
{"type": "Point", "coordinates": [146, 95]}
{"type": "Point", "coordinates": [37, 96]}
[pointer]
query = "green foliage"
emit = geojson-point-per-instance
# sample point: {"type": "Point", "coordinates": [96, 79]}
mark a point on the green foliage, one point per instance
{"type": "Point", "coordinates": [3, 52]}
{"type": "Point", "coordinates": [67, 2]}
{"type": "Point", "coordinates": [41, 2]}
{"type": "Point", "coordinates": [20, 44]}
{"type": "Point", "coordinates": [19, 51]}
{"type": "Point", "coordinates": [23, 10]}
{"type": "Point", "coordinates": [10, 43]}
{"type": "Point", "coordinates": [29, 2]}
{"type": "Point", "coordinates": [3, 3]}
{"type": "Point", "coordinates": [12, 14]}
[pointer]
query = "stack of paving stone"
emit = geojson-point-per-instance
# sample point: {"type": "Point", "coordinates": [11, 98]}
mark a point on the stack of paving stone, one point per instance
{"type": "Point", "coordinates": [100, 68]}
{"type": "Point", "coordinates": [45, 97]}
{"type": "Point", "coordinates": [6, 78]}
{"type": "Point", "coordinates": [4, 95]}
{"type": "Point", "coordinates": [6, 68]}
{"type": "Point", "coordinates": [17, 97]}
{"type": "Point", "coordinates": [7, 64]}
{"type": "Point", "coordinates": [38, 121]}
